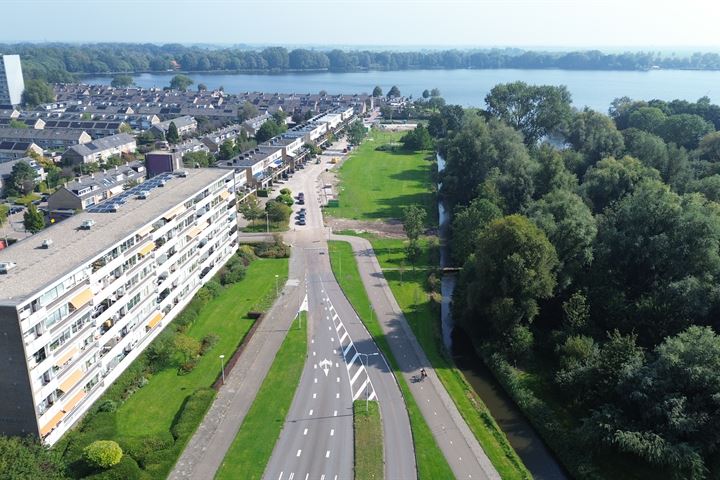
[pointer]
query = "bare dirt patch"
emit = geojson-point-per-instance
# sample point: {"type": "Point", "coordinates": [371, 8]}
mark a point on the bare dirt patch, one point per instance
{"type": "Point", "coordinates": [392, 228]}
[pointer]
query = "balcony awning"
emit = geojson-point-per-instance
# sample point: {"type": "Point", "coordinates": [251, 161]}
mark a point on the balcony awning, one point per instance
{"type": "Point", "coordinates": [81, 298]}
{"type": "Point", "coordinates": [194, 232]}
{"type": "Point", "coordinates": [147, 248]}
{"type": "Point", "coordinates": [291, 155]}
{"type": "Point", "coordinates": [224, 195]}
{"type": "Point", "coordinates": [52, 423]}
{"type": "Point", "coordinates": [276, 163]}
{"type": "Point", "coordinates": [155, 320]}
{"type": "Point", "coordinates": [71, 380]}
{"type": "Point", "coordinates": [174, 212]}
{"type": "Point", "coordinates": [145, 230]}
{"type": "Point", "coordinates": [66, 356]}
{"type": "Point", "coordinates": [74, 400]}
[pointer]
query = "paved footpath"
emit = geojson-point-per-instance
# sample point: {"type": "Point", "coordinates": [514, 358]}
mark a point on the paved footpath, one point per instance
{"type": "Point", "coordinates": [206, 450]}
{"type": "Point", "coordinates": [457, 442]}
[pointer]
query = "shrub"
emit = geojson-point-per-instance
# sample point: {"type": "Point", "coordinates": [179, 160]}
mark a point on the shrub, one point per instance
{"type": "Point", "coordinates": [208, 341]}
{"type": "Point", "coordinates": [187, 366]}
{"type": "Point", "coordinates": [246, 254]}
{"type": "Point", "coordinates": [229, 276]}
{"type": "Point", "coordinates": [192, 413]}
{"type": "Point", "coordinates": [277, 249]}
{"type": "Point", "coordinates": [285, 191]}
{"type": "Point", "coordinates": [126, 469]}
{"type": "Point", "coordinates": [262, 193]}
{"type": "Point", "coordinates": [214, 288]}
{"type": "Point", "coordinates": [144, 447]}
{"type": "Point", "coordinates": [107, 406]}
{"type": "Point", "coordinates": [160, 352]}
{"type": "Point", "coordinates": [102, 453]}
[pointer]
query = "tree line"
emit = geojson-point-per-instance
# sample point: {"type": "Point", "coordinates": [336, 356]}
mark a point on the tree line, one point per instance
{"type": "Point", "coordinates": [590, 254]}
{"type": "Point", "coordinates": [58, 62]}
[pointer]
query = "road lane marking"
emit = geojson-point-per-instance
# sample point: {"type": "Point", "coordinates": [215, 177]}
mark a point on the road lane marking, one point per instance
{"type": "Point", "coordinates": [361, 390]}
{"type": "Point", "coordinates": [347, 349]}
{"type": "Point", "coordinates": [327, 455]}
{"type": "Point", "coordinates": [334, 413]}
{"type": "Point", "coordinates": [306, 476]}
{"type": "Point", "coordinates": [357, 374]}
{"type": "Point", "coordinates": [372, 396]}
{"type": "Point", "coordinates": [337, 395]}
{"type": "Point", "coordinates": [322, 477]}
{"type": "Point", "coordinates": [292, 475]}
{"type": "Point", "coordinates": [314, 395]}
{"type": "Point", "coordinates": [280, 477]}
{"type": "Point", "coordinates": [337, 365]}
{"type": "Point", "coordinates": [345, 335]}
{"type": "Point", "coordinates": [338, 379]}
{"type": "Point", "coordinates": [311, 411]}
{"type": "Point", "coordinates": [299, 452]}
{"type": "Point", "coordinates": [305, 432]}
{"type": "Point", "coordinates": [332, 432]}
{"type": "Point", "coordinates": [316, 380]}
{"type": "Point", "coordinates": [338, 326]}
{"type": "Point", "coordinates": [350, 363]}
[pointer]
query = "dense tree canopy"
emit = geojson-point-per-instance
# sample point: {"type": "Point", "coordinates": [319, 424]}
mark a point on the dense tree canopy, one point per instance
{"type": "Point", "coordinates": [37, 92]}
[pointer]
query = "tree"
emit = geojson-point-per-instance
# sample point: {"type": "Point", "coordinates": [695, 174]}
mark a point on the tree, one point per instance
{"type": "Point", "coordinates": [227, 150]}
{"type": "Point", "coordinates": [22, 179]}
{"type": "Point", "coordinates": [417, 139]}
{"type": "Point", "coordinates": [14, 123]}
{"type": "Point", "coordinates": [24, 458]}
{"type": "Point", "coordinates": [198, 159]}
{"type": "Point", "coordinates": [467, 223]}
{"type": "Point", "coordinates": [277, 212]}
{"type": "Point", "coordinates": [394, 92]}
{"type": "Point", "coordinates": [172, 136]}
{"type": "Point", "coordinates": [685, 130]}
{"type": "Point", "coordinates": [657, 263]}
{"type": "Point", "coordinates": [268, 130]}
{"type": "Point", "coordinates": [37, 92]}
{"type": "Point", "coordinates": [552, 174]}
{"type": "Point", "coordinates": [535, 111]}
{"type": "Point", "coordinates": [4, 212]}
{"type": "Point", "coordinates": [377, 91]}
{"type": "Point", "coordinates": [248, 111]}
{"type": "Point", "coordinates": [356, 132]}
{"type": "Point", "coordinates": [709, 147]}
{"type": "Point", "coordinates": [435, 92]}
{"type": "Point", "coordinates": [414, 221]}
{"type": "Point", "coordinates": [595, 136]}
{"type": "Point", "coordinates": [426, 93]}
{"type": "Point", "coordinates": [201, 87]}
{"type": "Point", "coordinates": [610, 179]}
{"type": "Point", "coordinates": [649, 119]}
{"type": "Point", "coordinates": [103, 454]}
{"type": "Point", "coordinates": [33, 219]}
{"type": "Point", "coordinates": [187, 346]}
{"type": "Point", "coordinates": [513, 267]}
{"type": "Point", "coordinates": [122, 81]}
{"type": "Point", "coordinates": [181, 82]}
{"type": "Point", "coordinates": [569, 225]}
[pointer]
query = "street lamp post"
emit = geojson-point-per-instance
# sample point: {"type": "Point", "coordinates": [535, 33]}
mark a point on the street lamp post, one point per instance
{"type": "Point", "coordinates": [222, 368]}
{"type": "Point", "coordinates": [367, 385]}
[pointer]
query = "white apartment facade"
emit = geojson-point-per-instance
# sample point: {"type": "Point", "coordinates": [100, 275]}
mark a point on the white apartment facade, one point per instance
{"type": "Point", "coordinates": [82, 299]}
{"type": "Point", "coordinates": [12, 84]}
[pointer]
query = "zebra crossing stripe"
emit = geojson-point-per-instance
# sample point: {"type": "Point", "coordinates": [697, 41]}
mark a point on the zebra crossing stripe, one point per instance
{"type": "Point", "coordinates": [345, 335]}
{"type": "Point", "coordinates": [347, 349]}
{"type": "Point", "coordinates": [362, 389]}
{"type": "Point", "coordinates": [372, 395]}
{"type": "Point", "coordinates": [357, 374]}
{"type": "Point", "coordinates": [350, 363]}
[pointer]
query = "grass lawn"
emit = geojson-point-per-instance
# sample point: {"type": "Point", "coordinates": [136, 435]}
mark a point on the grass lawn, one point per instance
{"type": "Point", "coordinates": [262, 227]}
{"type": "Point", "coordinates": [377, 185]}
{"type": "Point", "coordinates": [431, 463]}
{"type": "Point", "coordinates": [250, 451]}
{"type": "Point", "coordinates": [154, 423]}
{"type": "Point", "coordinates": [368, 431]}
{"type": "Point", "coordinates": [25, 199]}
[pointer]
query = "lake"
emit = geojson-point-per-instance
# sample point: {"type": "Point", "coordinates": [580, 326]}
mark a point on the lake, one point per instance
{"type": "Point", "coordinates": [595, 89]}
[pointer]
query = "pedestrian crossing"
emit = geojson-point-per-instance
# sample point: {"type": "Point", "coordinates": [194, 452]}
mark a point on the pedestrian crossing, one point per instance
{"type": "Point", "coordinates": [360, 384]}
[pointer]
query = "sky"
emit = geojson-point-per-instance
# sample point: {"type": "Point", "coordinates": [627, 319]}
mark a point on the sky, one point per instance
{"type": "Point", "coordinates": [608, 24]}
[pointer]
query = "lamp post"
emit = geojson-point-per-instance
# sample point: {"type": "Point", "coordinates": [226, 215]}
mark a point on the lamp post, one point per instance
{"type": "Point", "coordinates": [222, 369]}
{"type": "Point", "coordinates": [277, 291]}
{"type": "Point", "coordinates": [367, 385]}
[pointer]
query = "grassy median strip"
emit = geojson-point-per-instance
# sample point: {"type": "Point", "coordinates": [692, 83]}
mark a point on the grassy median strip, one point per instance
{"type": "Point", "coordinates": [368, 431]}
{"type": "Point", "coordinates": [152, 413]}
{"type": "Point", "coordinates": [430, 460]}
{"type": "Point", "coordinates": [253, 445]}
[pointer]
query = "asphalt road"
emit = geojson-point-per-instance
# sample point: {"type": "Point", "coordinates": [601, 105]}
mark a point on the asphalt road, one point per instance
{"type": "Point", "coordinates": [317, 438]}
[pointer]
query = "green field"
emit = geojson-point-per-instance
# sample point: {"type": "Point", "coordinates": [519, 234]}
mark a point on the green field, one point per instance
{"type": "Point", "coordinates": [253, 445]}
{"type": "Point", "coordinates": [378, 184]}
{"type": "Point", "coordinates": [430, 461]}
{"type": "Point", "coordinates": [367, 427]}
{"type": "Point", "coordinates": [158, 417]}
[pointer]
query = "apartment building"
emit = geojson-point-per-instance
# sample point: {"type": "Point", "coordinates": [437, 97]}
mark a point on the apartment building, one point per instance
{"type": "Point", "coordinates": [80, 300]}
{"type": "Point", "coordinates": [12, 84]}
{"type": "Point", "coordinates": [100, 149]}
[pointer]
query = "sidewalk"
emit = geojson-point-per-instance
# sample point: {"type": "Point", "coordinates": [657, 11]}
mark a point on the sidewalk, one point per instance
{"type": "Point", "coordinates": [206, 450]}
{"type": "Point", "coordinates": [460, 447]}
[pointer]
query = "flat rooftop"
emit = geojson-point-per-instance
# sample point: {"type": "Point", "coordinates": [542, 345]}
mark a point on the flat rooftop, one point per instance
{"type": "Point", "coordinates": [72, 246]}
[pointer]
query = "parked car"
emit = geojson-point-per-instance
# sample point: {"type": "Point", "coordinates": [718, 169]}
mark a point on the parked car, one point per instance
{"type": "Point", "coordinates": [301, 221]}
{"type": "Point", "coordinates": [16, 209]}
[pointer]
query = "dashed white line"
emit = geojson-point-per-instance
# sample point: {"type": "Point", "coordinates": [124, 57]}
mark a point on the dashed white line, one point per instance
{"type": "Point", "coordinates": [337, 395]}
{"type": "Point", "coordinates": [334, 413]}
{"type": "Point", "coordinates": [314, 395]}
{"type": "Point", "coordinates": [305, 431]}
{"type": "Point", "coordinates": [332, 432]}
{"type": "Point", "coordinates": [337, 365]}
{"type": "Point", "coordinates": [299, 452]}
{"type": "Point", "coordinates": [316, 380]}
{"type": "Point", "coordinates": [292, 475]}
{"type": "Point", "coordinates": [280, 477]}
{"type": "Point", "coordinates": [311, 412]}
{"type": "Point", "coordinates": [327, 454]}
{"type": "Point", "coordinates": [306, 476]}
{"type": "Point", "coordinates": [338, 379]}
